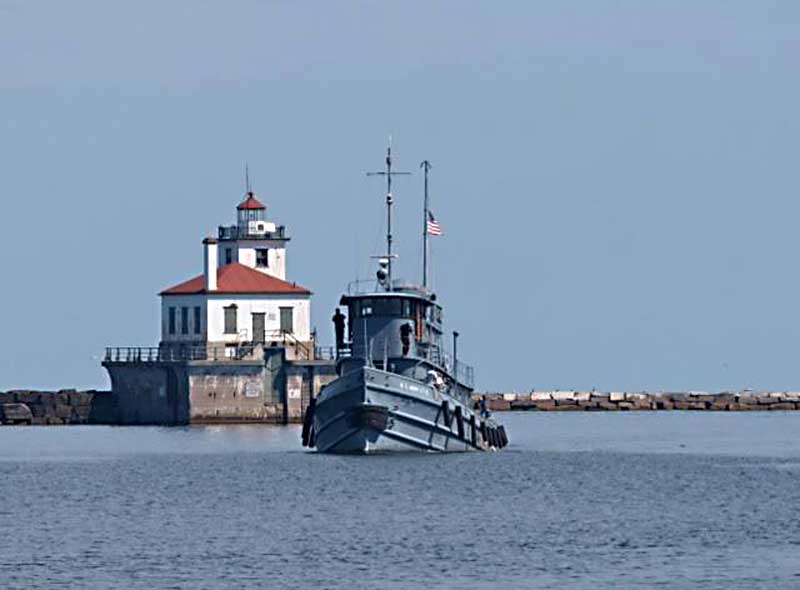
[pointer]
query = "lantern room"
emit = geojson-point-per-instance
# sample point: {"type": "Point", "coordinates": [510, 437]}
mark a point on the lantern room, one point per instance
{"type": "Point", "coordinates": [251, 209]}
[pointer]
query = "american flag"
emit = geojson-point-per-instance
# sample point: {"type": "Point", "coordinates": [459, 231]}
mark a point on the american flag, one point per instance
{"type": "Point", "coordinates": [434, 228]}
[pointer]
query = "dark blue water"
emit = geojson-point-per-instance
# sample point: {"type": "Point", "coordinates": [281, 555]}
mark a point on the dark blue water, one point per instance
{"type": "Point", "coordinates": [631, 500]}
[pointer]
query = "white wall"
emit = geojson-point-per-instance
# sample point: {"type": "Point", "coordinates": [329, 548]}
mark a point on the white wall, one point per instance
{"type": "Point", "coordinates": [249, 304]}
{"type": "Point", "coordinates": [245, 253]}
{"type": "Point", "coordinates": [213, 316]}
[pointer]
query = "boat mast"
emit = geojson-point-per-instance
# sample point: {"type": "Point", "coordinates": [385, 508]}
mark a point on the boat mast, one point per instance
{"type": "Point", "coordinates": [388, 173]}
{"type": "Point", "coordinates": [426, 166]}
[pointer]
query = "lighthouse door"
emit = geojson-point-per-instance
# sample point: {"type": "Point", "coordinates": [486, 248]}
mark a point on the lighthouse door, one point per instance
{"type": "Point", "coordinates": [287, 319]}
{"type": "Point", "coordinates": [259, 334]}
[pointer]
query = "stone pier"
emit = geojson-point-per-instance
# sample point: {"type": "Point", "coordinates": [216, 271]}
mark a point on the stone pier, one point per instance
{"type": "Point", "coordinates": [595, 401]}
{"type": "Point", "coordinates": [54, 408]}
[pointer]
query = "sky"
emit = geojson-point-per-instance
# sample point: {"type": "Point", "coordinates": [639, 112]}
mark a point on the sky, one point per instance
{"type": "Point", "coordinates": [616, 180]}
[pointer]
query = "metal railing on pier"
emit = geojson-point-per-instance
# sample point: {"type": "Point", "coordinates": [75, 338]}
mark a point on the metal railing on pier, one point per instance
{"type": "Point", "coordinates": [224, 352]}
{"type": "Point", "coordinates": [325, 353]}
{"type": "Point", "coordinates": [139, 354]}
{"type": "Point", "coordinates": [301, 349]}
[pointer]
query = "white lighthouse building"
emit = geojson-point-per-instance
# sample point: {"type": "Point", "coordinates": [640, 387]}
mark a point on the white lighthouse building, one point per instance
{"type": "Point", "coordinates": [236, 342]}
{"type": "Point", "coordinates": [242, 297]}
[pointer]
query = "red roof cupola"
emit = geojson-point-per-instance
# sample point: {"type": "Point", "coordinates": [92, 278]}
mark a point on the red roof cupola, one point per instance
{"type": "Point", "coordinates": [250, 210]}
{"type": "Point", "coordinates": [251, 203]}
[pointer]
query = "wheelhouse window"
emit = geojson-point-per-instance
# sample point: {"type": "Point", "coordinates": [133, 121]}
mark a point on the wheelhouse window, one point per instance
{"type": "Point", "coordinates": [365, 308]}
{"type": "Point", "coordinates": [171, 320]}
{"type": "Point", "coordinates": [197, 318]}
{"type": "Point", "coordinates": [388, 307]}
{"type": "Point", "coordinates": [184, 320]}
{"type": "Point", "coordinates": [230, 319]}
{"type": "Point", "coordinates": [262, 257]}
{"type": "Point", "coordinates": [407, 309]}
{"type": "Point", "coordinates": [391, 307]}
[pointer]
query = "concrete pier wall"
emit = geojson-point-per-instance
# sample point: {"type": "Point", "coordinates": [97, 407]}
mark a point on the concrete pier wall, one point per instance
{"type": "Point", "coordinates": [572, 401]}
{"type": "Point", "coordinates": [268, 388]}
{"type": "Point", "coordinates": [152, 393]}
{"type": "Point", "coordinates": [227, 393]}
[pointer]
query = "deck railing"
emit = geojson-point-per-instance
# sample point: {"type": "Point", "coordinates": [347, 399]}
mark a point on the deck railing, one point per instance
{"type": "Point", "coordinates": [464, 373]}
{"type": "Point", "coordinates": [235, 232]}
{"type": "Point", "coordinates": [367, 286]}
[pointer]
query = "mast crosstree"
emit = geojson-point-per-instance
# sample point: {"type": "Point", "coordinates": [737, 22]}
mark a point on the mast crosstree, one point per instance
{"type": "Point", "coordinates": [389, 173]}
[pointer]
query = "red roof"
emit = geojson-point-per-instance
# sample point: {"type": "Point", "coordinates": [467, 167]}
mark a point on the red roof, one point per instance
{"type": "Point", "coordinates": [251, 202]}
{"type": "Point", "coordinates": [238, 278]}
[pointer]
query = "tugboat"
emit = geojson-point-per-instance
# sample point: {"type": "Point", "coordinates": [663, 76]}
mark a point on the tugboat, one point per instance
{"type": "Point", "coordinates": [397, 388]}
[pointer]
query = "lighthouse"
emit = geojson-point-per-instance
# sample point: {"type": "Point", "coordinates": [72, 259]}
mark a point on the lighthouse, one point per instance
{"type": "Point", "coordinates": [242, 297]}
{"type": "Point", "coordinates": [236, 339]}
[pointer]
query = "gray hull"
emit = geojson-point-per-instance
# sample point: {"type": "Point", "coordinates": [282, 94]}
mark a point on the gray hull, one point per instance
{"type": "Point", "coordinates": [370, 410]}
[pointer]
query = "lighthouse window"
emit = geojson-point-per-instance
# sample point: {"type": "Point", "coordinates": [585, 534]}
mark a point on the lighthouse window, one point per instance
{"type": "Point", "coordinates": [262, 257]}
{"type": "Point", "coordinates": [184, 320]}
{"type": "Point", "coordinates": [228, 255]}
{"type": "Point", "coordinates": [230, 319]}
{"type": "Point", "coordinates": [171, 320]}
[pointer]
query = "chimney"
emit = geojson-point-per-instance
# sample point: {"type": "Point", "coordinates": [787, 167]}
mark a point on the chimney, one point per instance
{"type": "Point", "coordinates": [210, 268]}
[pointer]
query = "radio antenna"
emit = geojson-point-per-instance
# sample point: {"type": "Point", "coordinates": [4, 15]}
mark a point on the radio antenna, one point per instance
{"type": "Point", "coordinates": [389, 173]}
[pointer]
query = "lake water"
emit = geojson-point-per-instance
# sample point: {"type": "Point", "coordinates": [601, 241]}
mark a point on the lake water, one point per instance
{"type": "Point", "coordinates": [587, 501]}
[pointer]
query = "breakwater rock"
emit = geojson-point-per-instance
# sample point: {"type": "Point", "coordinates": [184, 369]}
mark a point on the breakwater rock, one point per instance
{"type": "Point", "coordinates": [67, 406]}
{"type": "Point", "coordinates": [593, 401]}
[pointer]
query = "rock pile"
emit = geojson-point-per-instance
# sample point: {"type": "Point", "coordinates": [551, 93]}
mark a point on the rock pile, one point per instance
{"type": "Point", "coordinates": [555, 401]}
{"type": "Point", "coordinates": [67, 406]}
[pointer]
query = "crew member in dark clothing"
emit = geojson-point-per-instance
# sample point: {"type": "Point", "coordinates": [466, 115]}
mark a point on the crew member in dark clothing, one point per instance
{"type": "Point", "coordinates": [405, 337]}
{"type": "Point", "coordinates": [338, 326]}
{"type": "Point", "coordinates": [484, 411]}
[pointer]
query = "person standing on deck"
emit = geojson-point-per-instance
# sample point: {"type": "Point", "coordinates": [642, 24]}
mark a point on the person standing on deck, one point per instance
{"type": "Point", "coordinates": [405, 337]}
{"type": "Point", "coordinates": [482, 405]}
{"type": "Point", "coordinates": [338, 326]}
